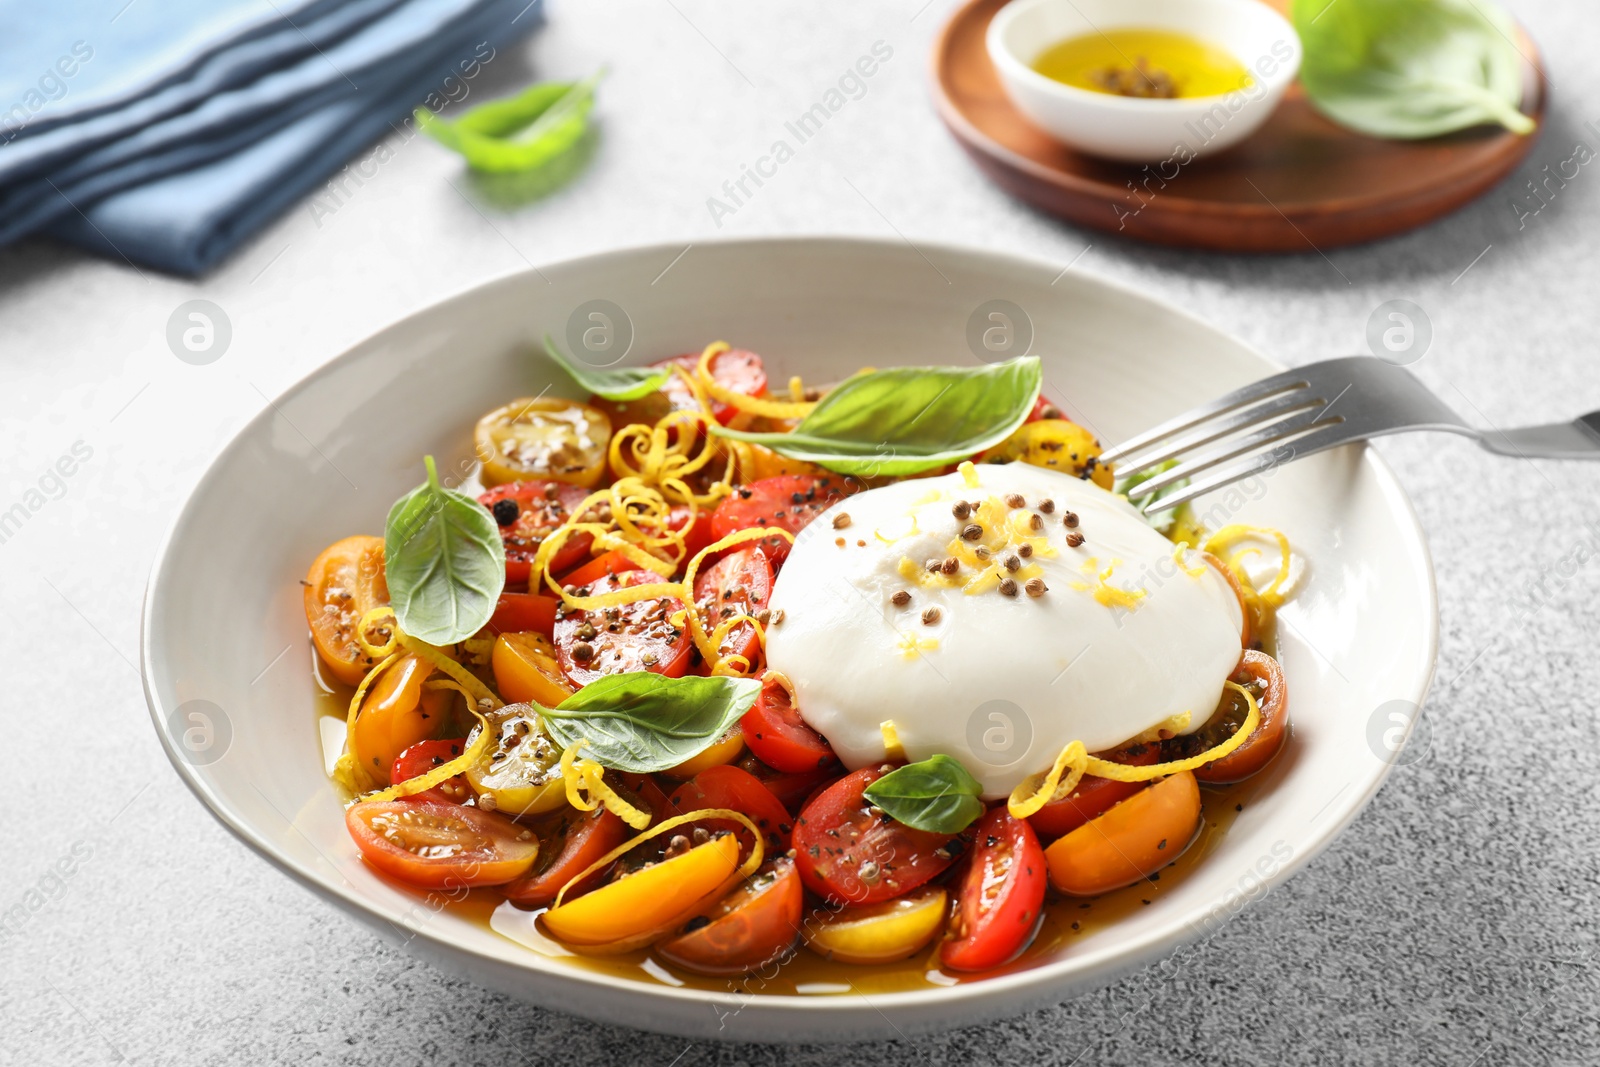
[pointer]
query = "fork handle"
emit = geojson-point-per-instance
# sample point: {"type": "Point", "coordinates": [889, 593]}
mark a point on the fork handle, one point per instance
{"type": "Point", "coordinates": [1579, 439]}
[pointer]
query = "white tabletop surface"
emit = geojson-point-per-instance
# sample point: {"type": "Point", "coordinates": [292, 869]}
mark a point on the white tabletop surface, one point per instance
{"type": "Point", "coordinates": [1454, 923]}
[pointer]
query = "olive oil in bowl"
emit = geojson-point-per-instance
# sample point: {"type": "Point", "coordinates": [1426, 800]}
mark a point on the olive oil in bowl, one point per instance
{"type": "Point", "coordinates": [1143, 63]}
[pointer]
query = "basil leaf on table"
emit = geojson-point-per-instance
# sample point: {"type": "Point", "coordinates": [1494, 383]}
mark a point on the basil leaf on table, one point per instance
{"type": "Point", "coordinates": [936, 794]}
{"type": "Point", "coordinates": [518, 133]}
{"type": "Point", "coordinates": [905, 420]}
{"type": "Point", "coordinates": [1163, 521]}
{"type": "Point", "coordinates": [1409, 69]}
{"type": "Point", "coordinates": [444, 562]}
{"type": "Point", "coordinates": [640, 722]}
{"type": "Point", "coordinates": [613, 383]}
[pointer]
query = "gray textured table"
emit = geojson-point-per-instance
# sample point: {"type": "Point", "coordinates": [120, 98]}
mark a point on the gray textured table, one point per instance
{"type": "Point", "coordinates": [1454, 923]}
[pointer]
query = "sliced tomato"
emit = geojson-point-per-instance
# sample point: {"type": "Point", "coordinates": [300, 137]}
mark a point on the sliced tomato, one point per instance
{"type": "Point", "coordinates": [543, 437]}
{"type": "Point", "coordinates": [1262, 675]}
{"type": "Point", "coordinates": [1094, 795]}
{"type": "Point", "coordinates": [1001, 896]}
{"type": "Point", "coordinates": [423, 757]}
{"type": "Point", "coordinates": [699, 536]}
{"type": "Point", "coordinates": [517, 613]}
{"type": "Point", "coordinates": [777, 734]}
{"type": "Point", "coordinates": [848, 852]}
{"type": "Point", "coordinates": [612, 562]}
{"type": "Point", "coordinates": [738, 583]}
{"type": "Point", "coordinates": [540, 507]}
{"type": "Point", "coordinates": [879, 933]}
{"type": "Point", "coordinates": [527, 669]}
{"type": "Point", "coordinates": [754, 925]}
{"type": "Point", "coordinates": [735, 369]}
{"type": "Point", "coordinates": [792, 790]}
{"type": "Point", "coordinates": [789, 502]}
{"type": "Point", "coordinates": [344, 583]}
{"type": "Point", "coordinates": [728, 786]}
{"type": "Point", "coordinates": [570, 842]}
{"type": "Point", "coordinates": [629, 637]}
{"type": "Point", "coordinates": [395, 714]}
{"type": "Point", "coordinates": [1133, 840]}
{"type": "Point", "coordinates": [438, 846]}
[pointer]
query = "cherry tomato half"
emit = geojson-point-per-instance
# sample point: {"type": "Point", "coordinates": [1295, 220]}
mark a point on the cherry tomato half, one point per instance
{"type": "Point", "coordinates": [699, 535]}
{"type": "Point", "coordinates": [792, 790]}
{"type": "Point", "coordinates": [605, 563]}
{"type": "Point", "coordinates": [777, 734]}
{"type": "Point", "coordinates": [1133, 840]}
{"type": "Point", "coordinates": [629, 637]}
{"type": "Point", "coordinates": [789, 501]}
{"type": "Point", "coordinates": [517, 613]}
{"type": "Point", "coordinates": [527, 513]}
{"type": "Point", "coordinates": [1093, 796]}
{"type": "Point", "coordinates": [543, 437]}
{"type": "Point", "coordinates": [730, 787]}
{"type": "Point", "coordinates": [395, 714]}
{"type": "Point", "coordinates": [527, 670]}
{"type": "Point", "coordinates": [879, 933]}
{"type": "Point", "coordinates": [1261, 674]}
{"type": "Point", "coordinates": [1001, 896]}
{"type": "Point", "coordinates": [735, 369]}
{"type": "Point", "coordinates": [439, 846]}
{"type": "Point", "coordinates": [571, 840]}
{"type": "Point", "coordinates": [739, 582]}
{"type": "Point", "coordinates": [343, 584]}
{"type": "Point", "coordinates": [754, 925]}
{"type": "Point", "coordinates": [848, 853]}
{"type": "Point", "coordinates": [423, 757]}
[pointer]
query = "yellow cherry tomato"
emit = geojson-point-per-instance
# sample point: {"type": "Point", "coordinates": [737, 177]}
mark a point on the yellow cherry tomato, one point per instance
{"type": "Point", "coordinates": [1133, 840]}
{"type": "Point", "coordinates": [521, 770]}
{"type": "Point", "coordinates": [543, 438]}
{"type": "Point", "coordinates": [879, 933]}
{"type": "Point", "coordinates": [725, 749]}
{"type": "Point", "coordinates": [343, 584]}
{"type": "Point", "coordinates": [649, 903]}
{"type": "Point", "coordinates": [526, 670]}
{"type": "Point", "coordinates": [1058, 445]}
{"type": "Point", "coordinates": [395, 714]}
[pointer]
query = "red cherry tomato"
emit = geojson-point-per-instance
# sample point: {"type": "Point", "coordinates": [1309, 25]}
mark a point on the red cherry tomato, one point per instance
{"type": "Point", "coordinates": [739, 582]}
{"type": "Point", "coordinates": [612, 562]}
{"type": "Point", "coordinates": [520, 613]}
{"type": "Point", "coordinates": [570, 841]}
{"type": "Point", "coordinates": [1093, 796]}
{"type": "Point", "coordinates": [792, 790]}
{"type": "Point", "coordinates": [699, 536]}
{"type": "Point", "coordinates": [540, 508]}
{"type": "Point", "coordinates": [629, 637]}
{"type": "Point", "coordinates": [423, 757]}
{"type": "Point", "coordinates": [775, 732]}
{"type": "Point", "coordinates": [789, 501]}
{"type": "Point", "coordinates": [727, 786]}
{"type": "Point", "coordinates": [1044, 409]}
{"type": "Point", "coordinates": [440, 846]}
{"type": "Point", "coordinates": [754, 925]}
{"type": "Point", "coordinates": [848, 853]}
{"type": "Point", "coordinates": [1262, 675]}
{"type": "Point", "coordinates": [1001, 895]}
{"type": "Point", "coordinates": [735, 369]}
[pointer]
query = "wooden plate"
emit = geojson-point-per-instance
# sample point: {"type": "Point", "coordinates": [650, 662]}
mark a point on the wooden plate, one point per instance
{"type": "Point", "coordinates": [1299, 183]}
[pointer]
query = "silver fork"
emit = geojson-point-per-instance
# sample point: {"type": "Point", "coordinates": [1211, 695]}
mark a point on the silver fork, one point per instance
{"type": "Point", "coordinates": [1310, 409]}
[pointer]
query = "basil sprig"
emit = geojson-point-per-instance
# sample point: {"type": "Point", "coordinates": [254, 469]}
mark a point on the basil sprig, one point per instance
{"type": "Point", "coordinates": [613, 383]}
{"type": "Point", "coordinates": [444, 562]}
{"type": "Point", "coordinates": [1163, 521]}
{"type": "Point", "coordinates": [909, 419]}
{"type": "Point", "coordinates": [641, 722]}
{"type": "Point", "coordinates": [936, 794]}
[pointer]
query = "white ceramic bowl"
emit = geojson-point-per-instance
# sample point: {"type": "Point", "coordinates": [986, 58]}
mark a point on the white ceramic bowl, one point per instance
{"type": "Point", "coordinates": [1139, 130]}
{"type": "Point", "coordinates": [224, 599]}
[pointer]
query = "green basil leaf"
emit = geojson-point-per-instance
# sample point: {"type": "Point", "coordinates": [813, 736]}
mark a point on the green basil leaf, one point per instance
{"type": "Point", "coordinates": [613, 383]}
{"type": "Point", "coordinates": [936, 794]}
{"type": "Point", "coordinates": [909, 419]}
{"type": "Point", "coordinates": [1411, 68]}
{"type": "Point", "coordinates": [1163, 521]}
{"type": "Point", "coordinates": [444, 562]}
{"type": "Point", "coordinates": [641, 722]}
{"type": "Point", "coordinates": [520, 133]}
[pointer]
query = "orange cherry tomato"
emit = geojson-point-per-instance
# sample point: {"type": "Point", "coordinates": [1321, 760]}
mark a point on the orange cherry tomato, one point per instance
{"type": "Point", "coordinates": [1133, 840]}
{"type": "Point", "coordinates": [395, 714]}
{"type": "Point", "coordinates": [526, 670]}
{"type": "Point", "coordinates": [1261, 674]}
{"type": "Point", "coordinates": [1093, 796]}
{"type": "Point", "coordinates": [517, 613]}
{"type": "Point", "coordinates": [754, 925]}
{"type": "Point", "coordinates": [343, 584]}
{"type": "Point", "coordinates": [440, 846]}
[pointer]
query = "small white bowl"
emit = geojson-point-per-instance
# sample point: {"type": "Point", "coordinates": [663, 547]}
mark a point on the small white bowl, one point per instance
{"type": "Point", "coordinates": [1136, 130]}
